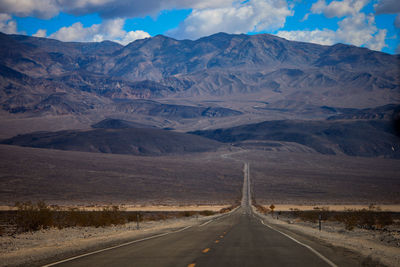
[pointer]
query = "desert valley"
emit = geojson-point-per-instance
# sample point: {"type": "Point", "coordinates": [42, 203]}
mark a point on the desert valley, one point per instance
{"type": "Point", "coordinates": [164, 123]}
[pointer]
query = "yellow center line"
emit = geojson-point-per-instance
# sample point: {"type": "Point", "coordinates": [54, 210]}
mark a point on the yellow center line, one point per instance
{"type": "Point", "coordinates": [216, 241]}
{"type": "Point", "coordinates": [192, 265]}
{"type": "Point", "coordinates": [206, 250]}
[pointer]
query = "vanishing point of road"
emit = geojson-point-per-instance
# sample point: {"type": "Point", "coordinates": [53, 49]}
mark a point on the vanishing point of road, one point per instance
{"type": "Point", "coordinates": [239, 238]}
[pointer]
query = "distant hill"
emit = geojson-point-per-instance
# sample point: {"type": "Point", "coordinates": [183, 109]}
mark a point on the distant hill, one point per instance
{"type": "Point", "coordinates": [119, 124]}
{"type": "Point", "coordinates": [134, 141]}
{"type": "Point", "coordinates": [386, 112]}
{"type": "Point", "coordinates": [367, 138]}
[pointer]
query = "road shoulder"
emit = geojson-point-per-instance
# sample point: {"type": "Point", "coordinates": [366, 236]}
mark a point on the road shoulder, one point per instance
{"type": "Point", "coordinates": [338, 246]}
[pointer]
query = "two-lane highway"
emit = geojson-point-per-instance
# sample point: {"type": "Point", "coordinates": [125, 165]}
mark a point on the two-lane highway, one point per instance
{"type": "Point", "coordinates": [238, 239]}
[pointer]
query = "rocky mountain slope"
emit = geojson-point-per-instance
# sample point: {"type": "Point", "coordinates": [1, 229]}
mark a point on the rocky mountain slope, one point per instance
{"type": "Point", "coordinates": [267, 87]}
{"type": "Point", "coordinates": [34, 69]}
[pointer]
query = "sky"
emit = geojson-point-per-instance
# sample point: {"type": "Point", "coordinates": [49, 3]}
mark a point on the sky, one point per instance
{"type": "Point", "coordinates": [374, 24]}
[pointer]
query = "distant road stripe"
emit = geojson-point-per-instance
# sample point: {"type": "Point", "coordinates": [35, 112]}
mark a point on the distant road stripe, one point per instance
{"type": "Point", "coordinates": [304, 245]}
{"type": "Point", "coordinates": [205, 250]}
{"type": "Point", "coordinates": [118, 246]}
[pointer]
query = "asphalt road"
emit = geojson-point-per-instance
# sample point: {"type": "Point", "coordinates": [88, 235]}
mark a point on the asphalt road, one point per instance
{"type": "Point", "coordinates": [236, 239]}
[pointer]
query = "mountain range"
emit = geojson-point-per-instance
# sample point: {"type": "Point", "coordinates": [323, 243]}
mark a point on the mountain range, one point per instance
{"type": "Point", "coordinates": [34, 71]}
{"type": "Point", "coordinates": [243, 85]}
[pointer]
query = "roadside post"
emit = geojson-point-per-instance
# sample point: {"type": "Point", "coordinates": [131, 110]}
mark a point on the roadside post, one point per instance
{"type": "Point", "coordinates": [319, 222]}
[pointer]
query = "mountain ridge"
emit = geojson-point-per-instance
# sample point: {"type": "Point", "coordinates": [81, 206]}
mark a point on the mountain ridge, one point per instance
{"type": "Point", "coordinates": [239, 75]}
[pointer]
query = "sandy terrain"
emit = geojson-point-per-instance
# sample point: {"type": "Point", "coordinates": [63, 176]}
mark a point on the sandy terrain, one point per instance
{"type": "Point", "coordinates": [382, 246]}
{"type": "Point", "coordinates": [79, 178]}
{"type": "Point", "coordinates": [315, 179]}
{"type": "Point", "coordinates": [33, 248]}
{"type": "Point", "coordinates": [288, 207]}
{"type": "Point", "coordinates": [138, 207]}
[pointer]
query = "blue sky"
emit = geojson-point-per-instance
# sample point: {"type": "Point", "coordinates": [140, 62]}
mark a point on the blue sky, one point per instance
{"type": "Point", "coordinates": [369, 23]}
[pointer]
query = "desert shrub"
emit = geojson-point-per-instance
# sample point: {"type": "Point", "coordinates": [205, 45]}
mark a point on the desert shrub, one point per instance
{"type": "Point", "coordinates": [295, 212]}
{"type": "Point", "coordinates": [32, 217]}
{"type": "Point", "coordinates": [133, 217]}
{"type": "Point", "coordinates": [228, 209]}
{"type": "Point", "coordinates": [187, 213]}
{"type": "Point", "coordinates": [384, 219]}
{"type": "Point", "coordinates": [261, 209]}
{"type": "Point", "coordinates": [367, 219]}
{"type": "Point", "coordinates": [225, 210]}
{"type": "Point", "coordinates": [110, 216]}
{"type": "Point", "coordinates": [371, 218]}
{"type": "Point", "coordinates": [309, 216]}
{"type": "Point", "coordinates": [349, 219]}
{"type": "Point", "coordinates": [206, 212]}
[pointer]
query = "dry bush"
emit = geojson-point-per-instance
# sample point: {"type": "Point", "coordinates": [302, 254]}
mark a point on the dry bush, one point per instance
{"type": "Point", "coordinates": [134, 216]}
{"type": "Point", "coordinates": [261, 208]}
{"type": "Point", "coordinates": [230, 208]}
{"type": "Point", "coordinates": [366, 219]}
{"type": "Point", "coordinates": [372, 218]}
{"type": "Point", "coordinates": [207, 212]}
{"type": "Point", "coordinates": [33, 217]}
{"type": "Point", "coordinates": [189, 213]}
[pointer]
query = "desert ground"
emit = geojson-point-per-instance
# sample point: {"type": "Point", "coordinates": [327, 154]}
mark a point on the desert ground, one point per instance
{"type": "Point", "coordinates": [65, 177]}
{"type": "Point", "coordinates": [212, 178]}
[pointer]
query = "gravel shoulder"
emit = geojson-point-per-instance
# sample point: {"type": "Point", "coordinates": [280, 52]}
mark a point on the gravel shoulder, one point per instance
{"type": "Point", "coordinates": [50, 245]}
{"type": "Point", "coordinates": [378, 245]}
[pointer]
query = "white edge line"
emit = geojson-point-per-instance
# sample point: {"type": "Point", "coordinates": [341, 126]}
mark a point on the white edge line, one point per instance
{"type": "Point", "coordinates": [304, 245]}
{"type": "Point", "coordinates": [222, 216]}
{"type": "Point", "coordinates": [207, 222]}
{"type": "Point", "coordinates": [117, 246]}
{"type": "Point", "coordinates": [132, 242]}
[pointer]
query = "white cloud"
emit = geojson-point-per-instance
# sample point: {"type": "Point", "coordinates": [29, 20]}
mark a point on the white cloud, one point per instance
{"type": "Point", "coordinates": [378, 41]}
{"type": "Point", "coordinates": [132, 36]}
{"type": "Point", "coordinates": [318, 7]}
{"type": "Point", "coordinates": [40, 33]}
{"type": "Point", "coordinates": [359, 30]}
{"type": "Point", "coordinates": [7, 24]}
{"type": "Point", "coordinates": [105, 8]}
{"type": "Point", "coordinates": [240, 17]}
{"type": "Point", "coordinates": [36, 8]}
{"type": "Point", "coordinates": [109, 30]}
{"type": "Point", "coordinates": [323, 37]}
{"type": "Point", "coordinates": [338, 8]}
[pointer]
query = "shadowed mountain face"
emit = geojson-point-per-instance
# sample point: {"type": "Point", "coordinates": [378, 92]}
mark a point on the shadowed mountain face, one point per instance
{"type": "Point", "coordinates": [120, 140]}
{"type": "Point", "coordinates": [367, 138]}
{"type": "Point", "coordinates": [118, 124]}
{"type": "Point", "coordinates": [33, 69]}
